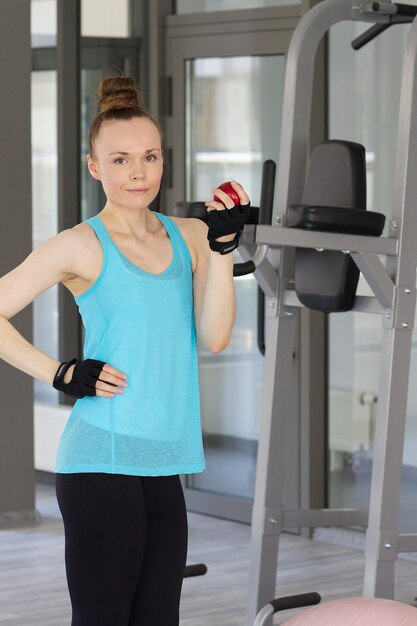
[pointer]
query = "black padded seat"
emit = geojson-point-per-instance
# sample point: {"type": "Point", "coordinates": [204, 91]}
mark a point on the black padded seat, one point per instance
{"type": "Point", "coordinates": [335, 220]}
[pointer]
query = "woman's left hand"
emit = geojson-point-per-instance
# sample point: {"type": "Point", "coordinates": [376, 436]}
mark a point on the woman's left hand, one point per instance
{"type": "Point", "coordinates": [227, 218]}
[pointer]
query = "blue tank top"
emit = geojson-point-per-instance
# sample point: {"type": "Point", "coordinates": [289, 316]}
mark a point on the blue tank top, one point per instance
{"type": "Point", "coordinates": [142, 324]}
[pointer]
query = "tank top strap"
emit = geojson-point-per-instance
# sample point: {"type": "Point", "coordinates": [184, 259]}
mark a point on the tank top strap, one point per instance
{"type": "Point", "coordinates": [175, 235]}
{"type": "Point", "coordinates": [101, 232]}
{"type": "Point", "coordinates": [172, 229]}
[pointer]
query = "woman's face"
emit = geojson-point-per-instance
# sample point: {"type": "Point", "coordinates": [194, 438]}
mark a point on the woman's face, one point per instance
{"type": "Point", "coordinates": [128, 161]}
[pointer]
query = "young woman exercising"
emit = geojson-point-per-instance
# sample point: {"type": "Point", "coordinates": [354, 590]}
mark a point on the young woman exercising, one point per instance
{"type": "Point", "coordinates": [146, 285]}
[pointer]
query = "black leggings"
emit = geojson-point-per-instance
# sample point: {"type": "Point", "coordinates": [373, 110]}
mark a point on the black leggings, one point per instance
{"type": "Point", "coordinates": [125, 548]}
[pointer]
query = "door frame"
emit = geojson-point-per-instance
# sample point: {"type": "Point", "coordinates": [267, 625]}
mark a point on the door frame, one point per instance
{"type": "Point", "coordinates": [212, 34]}
{"type": "Point", "coordinates": [243, 33]}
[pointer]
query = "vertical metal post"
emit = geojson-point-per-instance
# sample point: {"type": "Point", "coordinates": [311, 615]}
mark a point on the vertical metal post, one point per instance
{"type": "Point", "coordinates": [159, 85]}
{"type": "Point", "coordinates": [155, 42]}
{"type": "Point", "coordinates": [268, 504]}
{"type": "Point", "coordinates": [382, 534]}
{"type": "Point", "coordinates": [69, 161]}
{"type": "Point", "coordinates": [313, 411]}
{"type": "Point", "coordinates": [295, 136]}
{"type": "Point", "coordinates": [296, 115]}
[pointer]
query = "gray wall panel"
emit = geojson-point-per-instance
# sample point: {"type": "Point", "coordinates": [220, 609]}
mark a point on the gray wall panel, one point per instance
{"type": "Point", "coordinates": [16, 399]}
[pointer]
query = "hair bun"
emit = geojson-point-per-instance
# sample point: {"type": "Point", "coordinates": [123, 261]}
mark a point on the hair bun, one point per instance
{"type": "Point", "coordinates": [118, 92]}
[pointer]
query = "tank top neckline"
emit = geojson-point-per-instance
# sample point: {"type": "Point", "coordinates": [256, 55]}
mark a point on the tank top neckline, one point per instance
{"type": "Point", "coordinates": [132, 265]}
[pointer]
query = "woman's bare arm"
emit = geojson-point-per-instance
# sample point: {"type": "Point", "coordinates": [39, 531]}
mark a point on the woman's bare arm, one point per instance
{"type": "Point", "coordinates": [46, 266]}
{"type": "Point", "coordinates": [214, 293]}
{"type": "Point", "coordinates": [213, 283]}
{"type": "Point", "coordinates": [50, 263]}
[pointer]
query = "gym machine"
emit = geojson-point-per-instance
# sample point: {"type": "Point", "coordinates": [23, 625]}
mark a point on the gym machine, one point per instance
{"type": "Point", "coordinates": [325, 238]}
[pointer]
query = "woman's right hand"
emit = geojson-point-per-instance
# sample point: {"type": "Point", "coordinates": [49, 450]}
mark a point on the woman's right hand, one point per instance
{"type": "Point", "coordinates": [108, 374]}
{"type": "Point", "coordinates": [91, 378]}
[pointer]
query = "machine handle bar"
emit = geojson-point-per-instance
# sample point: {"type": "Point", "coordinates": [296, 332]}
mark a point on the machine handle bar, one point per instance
{"type": "Point", "coordinates": [282, 604]}
{"type": "Point", "coordinates": [199, 569]}
{"type": "Point", "coordinates": [248, 267]}
{"type": "Point", "coordinates": [295, 602]}
{"type": "Point", "coordinates": [265, 211]}
{"type": "Point", "coordinates": [403, 14]}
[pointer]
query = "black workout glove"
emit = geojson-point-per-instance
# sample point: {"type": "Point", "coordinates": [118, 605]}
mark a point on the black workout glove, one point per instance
{"type": "Point", "coordinates": [227, 222]}
{"type": "Point", "coordinates": [84, 377]}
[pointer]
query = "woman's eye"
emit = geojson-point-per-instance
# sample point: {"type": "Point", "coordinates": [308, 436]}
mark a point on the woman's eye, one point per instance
{"type": "Point", "coordinates": [150, 158]}
{"type": "Point", "coordinates": [120, 161]}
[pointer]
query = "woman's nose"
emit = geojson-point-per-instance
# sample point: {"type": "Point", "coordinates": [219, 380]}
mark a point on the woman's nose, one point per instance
{"type": "Point", "coordinates": [137, 172]}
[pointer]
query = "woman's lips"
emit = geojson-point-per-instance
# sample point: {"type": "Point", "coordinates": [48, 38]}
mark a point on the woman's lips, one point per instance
{"type": "Point", "coordinates": [137, 191]}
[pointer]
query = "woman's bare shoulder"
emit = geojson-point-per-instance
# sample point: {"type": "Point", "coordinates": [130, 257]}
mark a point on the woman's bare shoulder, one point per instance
{"type": "Point", "coordinates": [78, 236]}
{"type": "Point", "coordinates": [194, 232]}
{"type": "Point", "coordinates": [87, 252]}
{"type": "Point", "coordinates": [84, 233]}
{"type": "Point", "coordinates": [55, 260]}
{"type": "Point", "coordinates": [192, 224]}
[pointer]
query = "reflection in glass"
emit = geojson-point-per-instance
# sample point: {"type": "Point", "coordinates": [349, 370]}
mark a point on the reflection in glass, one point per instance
{"type": "Point", "coordinates": [232, 127]}
{"type": "Point", "coordinates": [364, 107]}
{"type": "Point", "coordinates": [44, 213]}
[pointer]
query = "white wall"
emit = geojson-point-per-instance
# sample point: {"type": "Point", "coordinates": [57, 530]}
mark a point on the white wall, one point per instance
{"type": "Point", "coordinates": [105, 18]}
{"type": "Point", "coordinates": [49, 425]}
{"type": "Point", "coordinates": [43, 17]}
{"type": "Point", "coordinates": [99, 18]}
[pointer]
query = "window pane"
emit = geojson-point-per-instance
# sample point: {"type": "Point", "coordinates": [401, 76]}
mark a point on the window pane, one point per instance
{"type": "Point", "coordinates": [231, 129]}
{"type": "Point", "coordinates": [364, 95]}
{"type": "Point", "coordinates": [43, 23]}
{"type": "Point", "coordinates": [44, 213]}
{"type": "Point", "coordinates": [105, 18]}
{"type": "Point", "coordinates": [200, 6]}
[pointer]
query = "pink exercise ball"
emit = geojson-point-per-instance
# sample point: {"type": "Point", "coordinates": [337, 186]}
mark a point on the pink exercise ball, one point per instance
{"type": "Point", "coordinates": [356, 612]}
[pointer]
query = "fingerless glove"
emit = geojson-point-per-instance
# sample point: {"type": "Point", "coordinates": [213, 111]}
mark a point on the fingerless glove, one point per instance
{"type": "Point", "coordinates": [227, 222]}
{"type": "Point", "coordinates": [84, 377]}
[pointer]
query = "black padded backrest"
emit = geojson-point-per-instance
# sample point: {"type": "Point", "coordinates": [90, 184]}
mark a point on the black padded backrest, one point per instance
{"type": "Point", "coordinates": [336, 176]}
{"type": "Point", "coordinates": [335, 190]}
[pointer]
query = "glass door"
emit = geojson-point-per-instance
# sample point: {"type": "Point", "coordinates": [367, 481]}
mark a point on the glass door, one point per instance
{"type": "Point", "coordinates": [230, 137]}
{"type": "Point", "coordinates": [232, 103]}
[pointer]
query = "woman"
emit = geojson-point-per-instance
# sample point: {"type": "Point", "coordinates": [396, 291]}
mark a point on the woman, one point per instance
{"type": "Point", "coordinates": [146, 285]}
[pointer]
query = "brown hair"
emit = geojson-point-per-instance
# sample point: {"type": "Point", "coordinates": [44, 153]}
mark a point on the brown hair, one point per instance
{"type": "Point", "coordinates": [119, 99]}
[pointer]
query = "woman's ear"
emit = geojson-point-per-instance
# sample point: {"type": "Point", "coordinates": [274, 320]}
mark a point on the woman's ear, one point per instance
{"type": "Point", "coordinates": [92, 167]}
